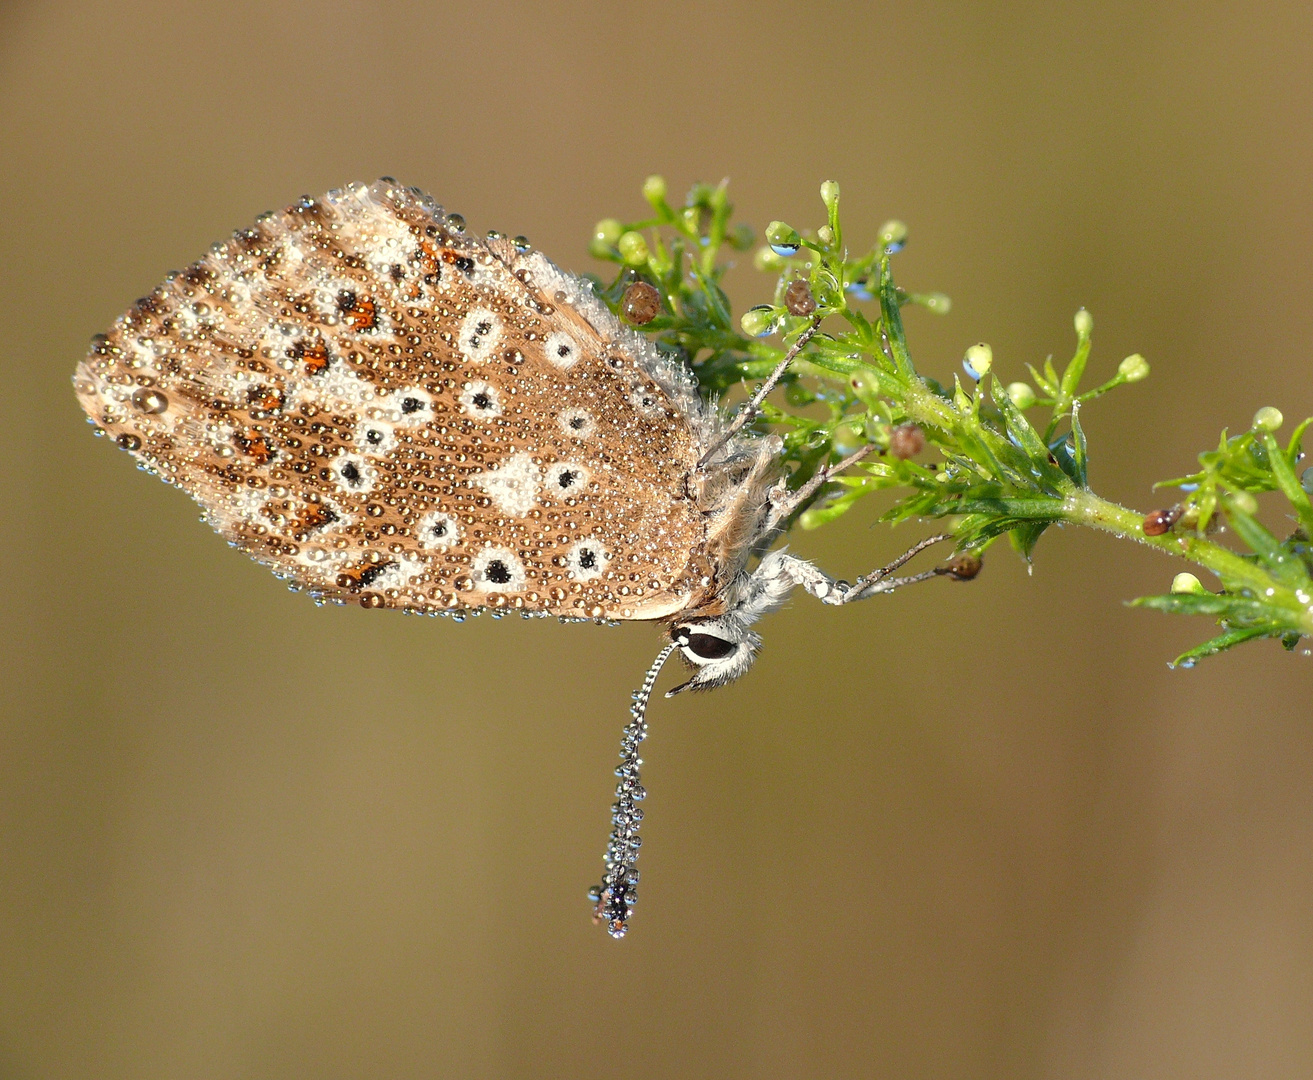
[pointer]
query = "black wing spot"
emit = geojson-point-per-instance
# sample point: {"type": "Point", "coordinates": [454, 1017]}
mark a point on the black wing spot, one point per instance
{"type": "Point", "coordinates": [497, 572]}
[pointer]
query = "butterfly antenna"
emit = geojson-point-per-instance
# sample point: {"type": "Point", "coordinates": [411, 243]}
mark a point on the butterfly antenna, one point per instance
{"type": "Point", "coordinates": [615, 897]}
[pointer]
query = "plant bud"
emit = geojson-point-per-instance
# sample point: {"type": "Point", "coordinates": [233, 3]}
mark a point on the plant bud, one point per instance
{"type": "Point", "coordinates": [1244, 502]}
{"type": "Point", "coordinates": [641, 303]}
{"type": "Point", "coordinates": [978, 360]}
{"type": "Point", "coordinates": [893, 236]}
{"type": "Point", "coordinates": [605, 234]}
{"type": "Point", "coordinates": [825, 235]}
{"type": "Point", "coordinates": [1023, 397]}
{"type": "Point", "coordinates": [906, 441]}
{"type": "Point", "coordinates": [1268, 419]}
{"type": "Point", "coordinates": [1134, 368]}
{"type": "Point", "coordinates": [1187, 583]}
{"type": "Point", "coordinates": [759, 321]}
{"type": "Point", "coordinates": [654, 190]}
{"type": "Point", "coordinates": [633, 249]}
{"type": "Point", "coordinates": [783, 239]}
{"type": "Point", "coordinates": [1084, 323]}
{"type": "Point", "coordinates": [798, 299]}
{"type": "Point", "coordinates": [830, 194]}
{"type": "Point", "coordinates": [740, 237]}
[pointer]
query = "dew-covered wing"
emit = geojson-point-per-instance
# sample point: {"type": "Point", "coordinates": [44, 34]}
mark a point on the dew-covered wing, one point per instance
{"type": "Point", "coordinates": [386, 410]}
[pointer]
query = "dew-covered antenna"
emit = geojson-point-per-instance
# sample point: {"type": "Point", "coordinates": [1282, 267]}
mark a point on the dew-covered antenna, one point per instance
{"type": "Point", "coordinates": [615, 897]}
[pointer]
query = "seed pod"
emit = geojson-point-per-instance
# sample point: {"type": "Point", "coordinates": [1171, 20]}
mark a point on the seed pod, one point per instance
{"type": "Point", "coordinates": [798, 298]}
{"type": "Point", "coordinates": [641, 303]}
{"type": "Point", "coordinates": [963, 566]}
{"type": "Point", "coordinates": [905, 441]}
{"type": "Point", "coordinates": [1160, 521]}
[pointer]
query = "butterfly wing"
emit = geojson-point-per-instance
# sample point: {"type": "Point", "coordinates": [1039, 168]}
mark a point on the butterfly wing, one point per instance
{"type": "Point", "coordinates": [386, 410]}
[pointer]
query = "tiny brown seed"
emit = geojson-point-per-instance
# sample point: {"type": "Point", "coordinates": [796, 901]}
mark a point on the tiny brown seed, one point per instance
{"type": "Point", "coordinates": [1158, 522]}
{"type": "Point", "coordinates": [906, 440]}
{"type": "Point", "coordinates": [641, 303]}
{"type": "Point", "coordinates": [798, 298]}
{"type": "Point", "coordinates": [963, 566]}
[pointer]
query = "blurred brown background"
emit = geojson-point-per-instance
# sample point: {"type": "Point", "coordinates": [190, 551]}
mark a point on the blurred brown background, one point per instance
{"type": "Point", "coordinates": [965, 831]}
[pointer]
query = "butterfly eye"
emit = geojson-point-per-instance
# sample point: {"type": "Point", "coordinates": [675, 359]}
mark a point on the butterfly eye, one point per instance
{"type": "Point", "coordinates": [707, 647]}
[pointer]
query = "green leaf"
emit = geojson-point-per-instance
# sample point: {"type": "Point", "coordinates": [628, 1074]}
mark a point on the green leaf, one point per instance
{"type": "Point", "coordinates": [1080, 453]}
{"type": "Point", "coordinates": [1228, 640]}
{"type": "Point", "coordinates": [1288, 482]}
{"type": "Point", "coordinates": [1280, 563]}
{"type": "Point", "coordinates": [1024, 537]}
{"type": "Point", "coordinates": [1219, 605]}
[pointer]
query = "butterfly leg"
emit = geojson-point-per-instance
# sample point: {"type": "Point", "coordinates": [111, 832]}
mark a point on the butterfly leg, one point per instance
{"type": "Point", "coordinates": [789, 501]}
{"type": "Point", "coordinates": [831, 591]}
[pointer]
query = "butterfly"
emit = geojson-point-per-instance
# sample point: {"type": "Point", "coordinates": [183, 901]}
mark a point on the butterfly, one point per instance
{"type": "Point", "coordinates": [388, 410]}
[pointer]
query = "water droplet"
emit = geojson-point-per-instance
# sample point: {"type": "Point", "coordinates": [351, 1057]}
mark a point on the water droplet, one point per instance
{"type": "Point", "coordinates": [150, 400]}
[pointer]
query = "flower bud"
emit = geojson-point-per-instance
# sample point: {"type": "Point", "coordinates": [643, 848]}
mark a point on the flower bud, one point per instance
{"type": "Point", "coordinates": [1268, 419]}
{"type": "Point", "coordinates": [825, 235]}
{"type": "Point", "coordinates": [1244, 502]}
{"type": "Point", "coordinates": [937, 302]}
{"type": "Point", "coordinates": [893, 235]}
{"type": "Point", "coordinates": [1134, 368]}
{"type": "Point", "coordinates": [759, 321]}
{"type": "Point", "coordinates": [830, 194]}
{"type": "Point", "coordinates": [765, 259]}
{"type": "Point", "coordinates": [654, 190]}
{"type": "Point", "coordinates": [978, 360]}
{"type": "Point", "coordinates": [1187, 583]}
{"type": "Point", "coordinates": [1023, 397]}
{"type": "Point", "coordinates": [1084, 323]}
{"type": "Point", "coordinates": [605, 234]}
{"type": "Point", "coordinates": [633, 249]}
{"type": "Point", "coordinates": [740, 237]}
{"type": "Point", "coordinates": [783, 239]}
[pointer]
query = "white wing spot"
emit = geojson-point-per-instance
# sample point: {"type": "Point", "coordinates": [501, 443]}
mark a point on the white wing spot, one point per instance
{"type": "Point", "coordinates": [375, 437]}
{"type": "Point", "coordinates": [438, 531]}
{"type": "Point", "coordinates": [481, 399]}
{"type": "Point", "coordinates": [354, 474]}
{"type": "Point", "coordinates": [562, 350]}
{"type": "Point", "coordinates": [497, 569]}
{"type": "Point", "coordinates": [577, 423]}
{"type": "Point", "coordinates": [480, 332]}
{"type": "Point", "coordinates": [565, 479]}
{"type": "Point", "coordinates": [586, 560]}
{"type": "Point", "coordinates": [410, 405]}
{"type": "Point", "coordinates": [514, 486]}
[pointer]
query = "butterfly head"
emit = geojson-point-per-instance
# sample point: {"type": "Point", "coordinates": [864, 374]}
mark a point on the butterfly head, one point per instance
{"type": "Point", "coordinates": [720, 648]}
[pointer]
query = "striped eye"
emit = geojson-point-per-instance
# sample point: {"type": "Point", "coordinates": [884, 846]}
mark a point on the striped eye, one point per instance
{"type": "Point", "coordinates": [709, 647]}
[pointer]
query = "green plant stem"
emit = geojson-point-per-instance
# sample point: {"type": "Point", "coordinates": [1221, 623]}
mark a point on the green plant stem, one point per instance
{"type": "Point", "coordinates": [1081, 506]}
{"type": "Point", "coordinates": [1086, 508]}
